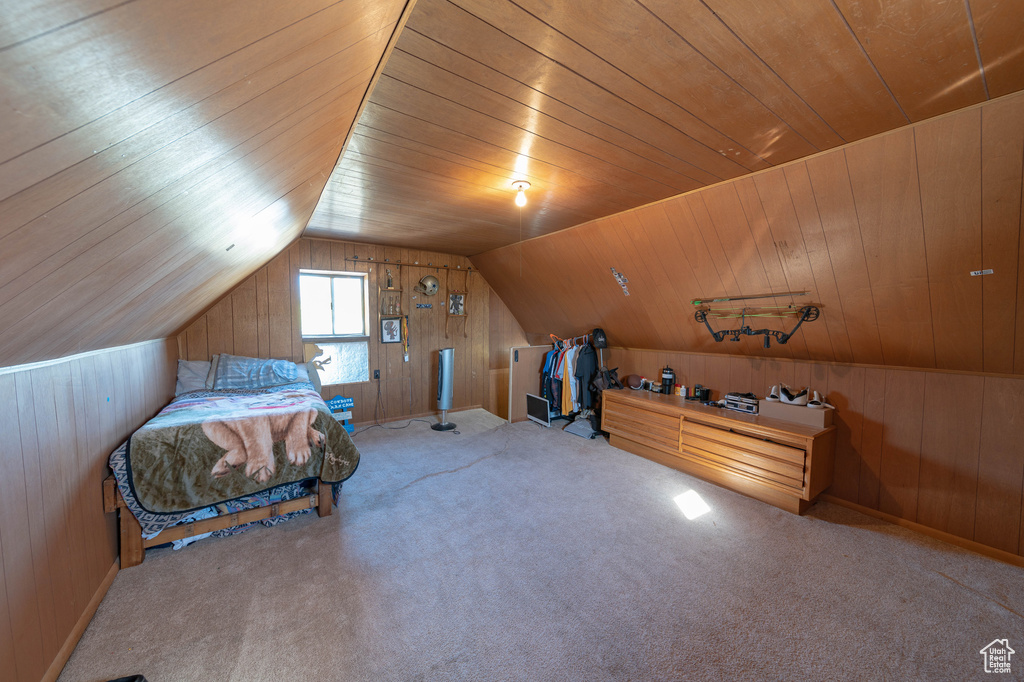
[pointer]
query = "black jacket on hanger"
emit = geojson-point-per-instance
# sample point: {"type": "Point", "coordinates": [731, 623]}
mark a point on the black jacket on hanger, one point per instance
{"type": "Point", "coordinates": [586, 367]}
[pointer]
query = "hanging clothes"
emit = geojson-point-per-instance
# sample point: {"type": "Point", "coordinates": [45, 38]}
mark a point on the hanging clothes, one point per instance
{"type": "Point", "coordinates": [568, 371]}
{"type": "Point", "coordinates": [545, 377]}
{"type": "Point", "coordinates": [567, 380]}
{"type": "Point", "coordinates": [552, 378]}
{"type": "Point", "coordinates": [577, 389]}
{"type": "Point", "coordinates": [586, 368]}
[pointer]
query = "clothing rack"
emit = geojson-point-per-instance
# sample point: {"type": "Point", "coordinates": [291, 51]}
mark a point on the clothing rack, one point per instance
{"type": "Point", "coordinates": [572, 341]}
{"type": "Point", "coordinates": [578, 341]}
{"type": "Point", "coordinates": [568, 386]}
{"type": "Point", "coordinates": [568, 350]}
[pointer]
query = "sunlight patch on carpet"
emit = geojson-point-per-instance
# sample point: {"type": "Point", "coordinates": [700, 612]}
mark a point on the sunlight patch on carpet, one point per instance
{"type": "Point", "coordinates": [691, 504]}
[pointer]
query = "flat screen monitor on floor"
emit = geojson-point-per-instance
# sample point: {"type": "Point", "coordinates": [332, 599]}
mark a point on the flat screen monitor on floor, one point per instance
{"type": "Point", "coordinates": [537, 409]}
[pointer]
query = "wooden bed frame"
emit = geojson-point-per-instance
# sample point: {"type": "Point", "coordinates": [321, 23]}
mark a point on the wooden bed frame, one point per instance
{"type": "Point", "coordinates": [133, 545]}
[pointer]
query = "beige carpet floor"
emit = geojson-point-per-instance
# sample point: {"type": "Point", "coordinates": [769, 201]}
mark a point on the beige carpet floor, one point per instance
{"type": "Point", "coordinates": [513, 552]}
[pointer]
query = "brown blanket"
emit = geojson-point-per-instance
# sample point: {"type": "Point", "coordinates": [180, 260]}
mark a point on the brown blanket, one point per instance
{"type": "Point", "coordinates": [207, 447]}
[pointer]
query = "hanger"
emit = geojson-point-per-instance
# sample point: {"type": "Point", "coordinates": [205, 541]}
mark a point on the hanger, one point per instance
{"type": "Point", "coordinates": [571, 342]}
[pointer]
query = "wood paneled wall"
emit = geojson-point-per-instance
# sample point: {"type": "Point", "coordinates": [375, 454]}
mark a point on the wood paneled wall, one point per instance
{"type": "Point", "coordinates": [58, 425]}
{"type": "Point", "coordinates": [526, 366]}
{"type": "Point", "coordinates": [260, 318]}
{"type": "Point", "coordinates": [883, 233]}
{"type": "Point", "coordinates": [942, 449]}
{"type": "Point", "coordinates": [154, 153]}
{"type": "Point", "coordinates": [505, 332]}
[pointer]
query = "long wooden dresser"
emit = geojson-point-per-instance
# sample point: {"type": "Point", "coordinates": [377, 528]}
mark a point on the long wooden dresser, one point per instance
{"type": "Point", "coordinates": [784, 464]}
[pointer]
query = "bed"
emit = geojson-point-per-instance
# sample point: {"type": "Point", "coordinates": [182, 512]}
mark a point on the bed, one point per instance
{"type": "Point", "coordinates": [245, 440]}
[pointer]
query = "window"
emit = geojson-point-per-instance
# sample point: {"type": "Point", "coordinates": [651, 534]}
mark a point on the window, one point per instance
{"type": "Point", "coordinates": [333, 312]}
{"type": "Point", "coordinates": [332, 304]}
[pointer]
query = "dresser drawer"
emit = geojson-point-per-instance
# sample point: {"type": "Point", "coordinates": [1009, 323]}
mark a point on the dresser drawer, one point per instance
{"type": "Point", "coordinates": [653, 428]}
{"type": "Point", "coordinates": [761, 446]}
{"type": "Point", "coordinates": [740, 460]}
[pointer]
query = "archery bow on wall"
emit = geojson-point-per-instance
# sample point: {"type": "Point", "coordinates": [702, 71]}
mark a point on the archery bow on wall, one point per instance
{"type": "Point", "coordinates": [804, 313]}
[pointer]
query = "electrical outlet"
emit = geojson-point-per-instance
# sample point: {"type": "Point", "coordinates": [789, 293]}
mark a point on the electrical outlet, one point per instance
{"type": "Point", "coordinates": [376, 374]}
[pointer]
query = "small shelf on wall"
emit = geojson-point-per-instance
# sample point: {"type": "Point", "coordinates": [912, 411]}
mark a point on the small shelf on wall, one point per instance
{"type": "Point", "coordinates": [389, 302]}
{"type": "Point", "coordinates": [390, 308]}
{"type": "Point", "coordinates": [389, 290]}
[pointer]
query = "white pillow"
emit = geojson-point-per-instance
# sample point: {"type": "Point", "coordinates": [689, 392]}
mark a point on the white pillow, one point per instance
{"type": "Point", "coordinates": [191, 376]}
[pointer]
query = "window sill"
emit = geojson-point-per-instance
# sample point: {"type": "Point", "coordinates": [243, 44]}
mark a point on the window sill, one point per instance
{"type": "Point", "coordinates": [334, 339]}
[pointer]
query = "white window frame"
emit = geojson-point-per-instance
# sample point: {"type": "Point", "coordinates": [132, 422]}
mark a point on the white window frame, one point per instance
{"type": "Point", "coordinates": [340, 338]}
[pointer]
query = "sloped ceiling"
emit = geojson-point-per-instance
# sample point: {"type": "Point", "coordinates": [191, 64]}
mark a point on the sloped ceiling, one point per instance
{"type": "Point", "coordinates": [153, 154]}
{"type": "Point", "coordinates": [910, 243]}
{"type": "Point", "coordinates": [607, 105]}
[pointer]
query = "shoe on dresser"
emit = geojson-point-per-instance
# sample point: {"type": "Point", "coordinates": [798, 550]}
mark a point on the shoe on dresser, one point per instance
{"type": "Point", "coordinates": [793, 398]}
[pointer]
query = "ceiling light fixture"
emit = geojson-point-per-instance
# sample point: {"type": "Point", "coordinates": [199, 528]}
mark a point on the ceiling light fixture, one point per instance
{"type": "Point", "coordinates": [520, 186]}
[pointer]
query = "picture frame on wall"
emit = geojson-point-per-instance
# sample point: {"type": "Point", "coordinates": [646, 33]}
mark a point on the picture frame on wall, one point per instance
{"type": "Point", "coordinates": [391, 330]}
{"type": "Point", "coordinates": [456, 304]}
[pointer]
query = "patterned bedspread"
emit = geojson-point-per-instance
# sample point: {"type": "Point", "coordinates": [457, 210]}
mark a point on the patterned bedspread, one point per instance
{"type": "Point", "coordinates": [209, 447]}
{"type": "Point", "coordinates": [153, 524]}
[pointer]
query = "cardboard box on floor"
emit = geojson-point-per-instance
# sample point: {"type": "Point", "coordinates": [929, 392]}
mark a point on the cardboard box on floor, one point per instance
{"type": "Point", "coordinates": [798, 414]}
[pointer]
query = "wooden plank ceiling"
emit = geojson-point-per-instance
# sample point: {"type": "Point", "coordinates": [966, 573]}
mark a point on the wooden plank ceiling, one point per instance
{"type": "Point", "coordinates": [884, 234]}
{"type": "Point", "coordinates": [153, 154]}
{"type": "Point", "coordinates": [607, 105]}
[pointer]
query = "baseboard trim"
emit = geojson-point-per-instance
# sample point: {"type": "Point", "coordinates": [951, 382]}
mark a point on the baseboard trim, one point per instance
{"type": "Point", "coordinates": [977, 547]}
{"type": "Point", "coordinates": [53, 672]}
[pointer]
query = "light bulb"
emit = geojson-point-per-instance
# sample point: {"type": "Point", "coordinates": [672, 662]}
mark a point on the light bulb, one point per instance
{"type": "Point", "coordinates": [520, 186]}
